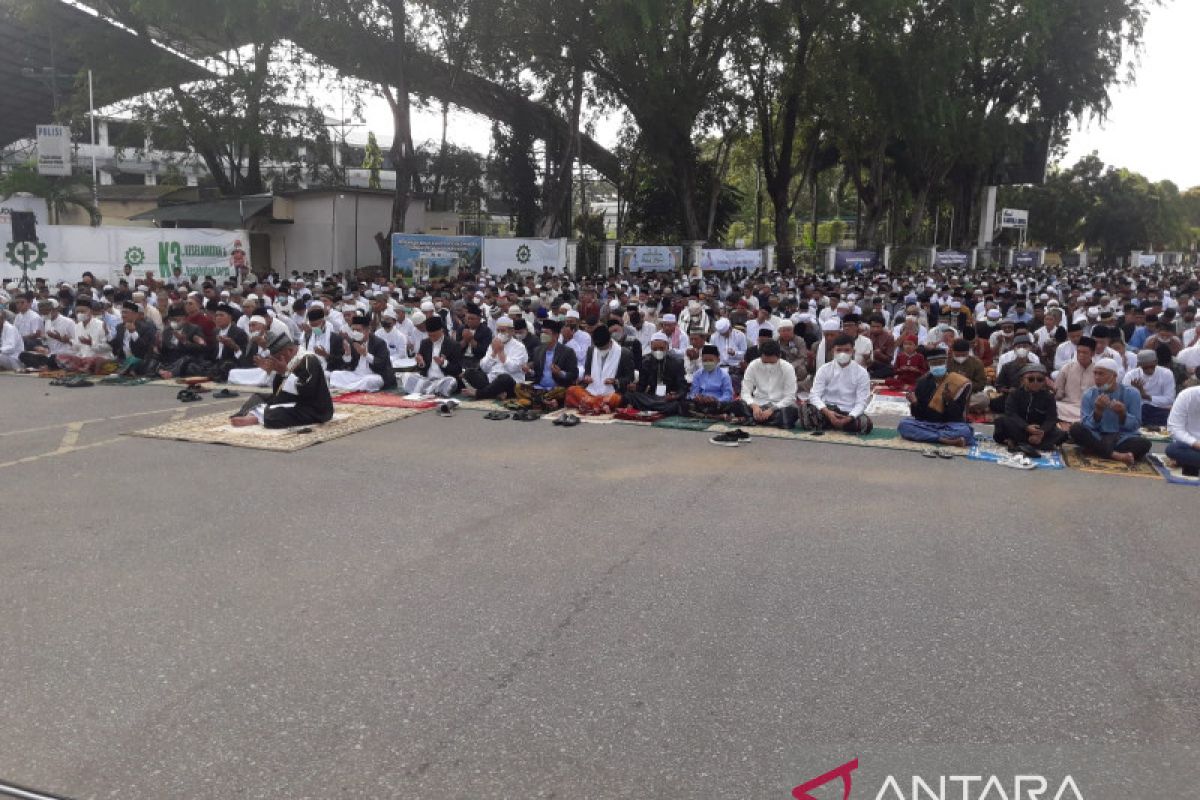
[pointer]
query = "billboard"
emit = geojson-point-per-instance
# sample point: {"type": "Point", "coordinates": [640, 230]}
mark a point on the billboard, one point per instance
{"type": "Point", "coordinates": [524, 255]}
{"type": "Point", "coordinates": [724, 260]}
{"type": "Point", "coordinates": [651, 258]}
{"type": "Point", "coordinates": [1014, 218]}
{"type": "Point", "coordinates": [421, 257]}
{"type": "Point", "coordinates": [54, 150]}
{"type": "Point", "coordinates": [65, 252]}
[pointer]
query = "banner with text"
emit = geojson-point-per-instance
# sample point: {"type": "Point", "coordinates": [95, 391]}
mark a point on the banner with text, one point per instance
{"type": "Point", "coordinates": [725, 260]}
{"type": "Point", "coordinates": [651, 258]}
{"type": "Point", "coordinates": [65, 252]}
{"type": "Point", "coordinates": [524, 255]}
{"type": "Point", "coordinates": [422, 257]}
{"type": "Point", "coordinates": [53, 150]}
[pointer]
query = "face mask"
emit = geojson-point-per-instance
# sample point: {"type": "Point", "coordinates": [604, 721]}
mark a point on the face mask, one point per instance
{"type": "Point", "coordinates": [1022, 352]}
{"type": "Point", "coordinates": [175, 326]}
{"type": "Point", "coordinates": [84, 318]}
{"type": "Point", "coordinates": [504, 337]}
{"type": "Point", "coordinates": [547, 338]}
{"type": "Point", "coordinates": [710, 366]}
{"type": "Point", "coordinates": [317, 331]}
{"type": "Point", "coordinates": [659, 354]}
{"type": "Point", "coordinates": [842, 358]}
{"type": "Point", "coordinates": [938, 371]}
{"type": "Point", "coordinates": [357, 336]}
{"type": "Point", "coordinates": [960, 359]}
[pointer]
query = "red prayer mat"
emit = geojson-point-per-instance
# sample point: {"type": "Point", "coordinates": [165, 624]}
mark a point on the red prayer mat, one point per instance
{"type": "Point", "coordinates": [387, 400]}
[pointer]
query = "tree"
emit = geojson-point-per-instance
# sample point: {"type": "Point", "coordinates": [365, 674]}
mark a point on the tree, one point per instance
{"type": "Point", "coordinates": [373, 161]}
{"type": "Point", "coordinates": [59, 193]}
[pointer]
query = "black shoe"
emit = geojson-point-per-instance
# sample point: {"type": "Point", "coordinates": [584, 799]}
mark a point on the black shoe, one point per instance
{"type": "Point", "coordinates": [730, 439]}
{"type": "Point", "coordinates": [1030, 451]}
{"type": "Point", "coordinates": [742, 436]}
{"type": "Point", "coordinates": [1191, 472]}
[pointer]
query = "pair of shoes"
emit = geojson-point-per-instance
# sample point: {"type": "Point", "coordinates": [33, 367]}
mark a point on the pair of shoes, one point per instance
{"type": "Point", "coordinates": [1018, 462]}
{"type": "Point", "coordinates": [732, 438]}
{"type": "Point", "coordinates": [497, 415]}
{"type": "Point", "coordinates": [225, 394]}
{"type": "Point", "coordinates": [187, 396]}
{"type": "Point", "coordinates": [526, 415]}
{"type": "Point", "coordinates": [567, 421]}
{"type": "Point", "coordinates": [444, 410]}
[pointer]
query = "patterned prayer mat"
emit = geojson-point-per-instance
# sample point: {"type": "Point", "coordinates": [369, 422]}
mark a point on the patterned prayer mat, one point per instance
{"type": "Point", "coordinates": [1155, 436]}
{"type": "Point", "coordinates": [883, 405]}
{"type": "Point", "coordinates": [128, 380]}
{"type": "Point", "coordinates": [1171, 471]}
{"type": "Point", "coordinates": [987, 450]}
{"type": "Point", "coordinates": [1077, 459]}
{"type": "Point", "coordinates": [215, 429]}
{"type": "Point", "coordinates": [684, 423]}
{"type": "Point", "coordinates": [480, 405]}
{"type": "Point", "coordinates": [595, 419]}
{"type": "Point", "coordinates": [383, 399]}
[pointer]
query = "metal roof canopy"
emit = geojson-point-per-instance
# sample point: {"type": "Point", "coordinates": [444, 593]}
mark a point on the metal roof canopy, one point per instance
{"type": "Point", "coordinates": [43, 40]}
{"type": "Point", "coordinates": [231, 212]}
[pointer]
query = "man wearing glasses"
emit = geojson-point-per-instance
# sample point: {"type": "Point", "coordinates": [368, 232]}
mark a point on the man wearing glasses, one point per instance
{"type": "Point", "coordinates": [1030, 420]}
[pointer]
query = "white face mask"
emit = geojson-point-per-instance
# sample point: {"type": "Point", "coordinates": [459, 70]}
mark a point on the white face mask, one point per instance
{"type": "Point", "coordinates": [960, 359]}
{"type": "Point", "coordinates": [175, 326]}
{"type": "Point", "coordinates": [1022, 352]}
{"type": "Point", "coordinates": [504, 337]}
{"type": "Point", "coordinates": [659, 354]}
{"type": "Point", "coordinates": [357, 336]}
{"type": "Point", "coordinates": [842, 359]}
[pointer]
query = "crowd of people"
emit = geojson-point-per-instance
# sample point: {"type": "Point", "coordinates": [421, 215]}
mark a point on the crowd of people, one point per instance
{"type": "Point", "coordinates": [1046, 355]}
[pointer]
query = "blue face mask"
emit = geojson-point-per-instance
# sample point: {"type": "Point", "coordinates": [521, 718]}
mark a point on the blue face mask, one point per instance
{"type": "Point", "coordinates": [938, 371]}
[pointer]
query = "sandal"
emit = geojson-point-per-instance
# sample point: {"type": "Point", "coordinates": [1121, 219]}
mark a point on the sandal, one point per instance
{"type": "Point", "coordinates": [929, 452]}
{"type": "Point", "coordinates": [225, 394]}
{"type": "Point", "coordinates": [946, 454]}
{"type": "Point", "coordinates": [444, 410]}
{"type": "Point", "coordinates": [1018, 462]}
{"type": "Point", "coordinates": [187, 396]}
{"type": "Point", "coordinates": [526, 415]}
{"type": "Point", "coordinates": [569, 421]}
{"type": "Point", "coordinates": [497, 415]}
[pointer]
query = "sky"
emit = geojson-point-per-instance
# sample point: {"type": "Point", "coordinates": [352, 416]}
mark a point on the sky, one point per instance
{"type": "Point", "coordinates": [1153, 126]}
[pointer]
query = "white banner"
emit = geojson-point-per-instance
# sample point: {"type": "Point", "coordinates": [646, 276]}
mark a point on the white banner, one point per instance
{"type": "Point", "coordinates": [651, 258]}
{"type": "Point", "coordinates": [524, 255]}
{"type": "Point", "coordinates": [65, 252]}
{"type": "Point", "coordinates": [1014, 218]}
{"type": "Point", "coordinates": [54, 150]}
{"type": "Point", "coordinates": [723, 260]}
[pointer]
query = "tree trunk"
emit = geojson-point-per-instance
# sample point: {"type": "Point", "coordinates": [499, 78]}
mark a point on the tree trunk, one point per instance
{"type": "Point", "coordinates": [556, 210]}
{"type": "Point", "coordinates": [917, 217]}
{"type": "Point", "coordinates": [398, 100]}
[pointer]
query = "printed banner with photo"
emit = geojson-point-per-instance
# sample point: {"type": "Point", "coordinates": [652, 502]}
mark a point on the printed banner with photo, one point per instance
{"type": "Point", "coordinates": [422, 257]}
{"type": "Point", "coordinates": [725, 260]}
{"type": "Point", "coordinates": [952, 258]}
{"type": "Point", "coordinates": [524, 255]}
{"type": "Point", "coordinates": [65, 252]}
{"type": "Point", "coordinates": [651, 258]}
{"type": "Point", "coordinates": [856, 260]}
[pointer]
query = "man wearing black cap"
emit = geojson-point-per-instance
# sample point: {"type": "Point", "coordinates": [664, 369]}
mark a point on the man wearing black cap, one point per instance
{"type": "Point", "coordinates": [300, 396]}
{"type": "Point", "coordinates": [231, 345]}
{"type": "Point", "coordinates": [181, 344]}
{"type": "Point", "coordinates": [370, 365]}
{"type": "Point", "coordinates": [326, 345]}
{"type": "Point", "coordinates": [608, 369]}
{"type": "Point", "coordinates": [661, 385]}
{"type": "Point", "coordinates": [1011, 364]}
{"type": "Point", "coordinates": [134, 346]}
{"type": "Point", "coordinates": [475, 337]}
{"type": "Point", "coordinates": [938, 404]}
{"type": "Point", "coordinates": [1030, 419]}
{"type": "Point", "coordinates": [711, 394]}
{"type": "Point", "coordinates": [439, 362]}
{"type": "Point", "coordinates": [550, 371]}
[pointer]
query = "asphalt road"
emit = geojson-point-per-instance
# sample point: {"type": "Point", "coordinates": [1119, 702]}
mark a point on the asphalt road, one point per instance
{"type": "Point", "coordinates": [462, 608]}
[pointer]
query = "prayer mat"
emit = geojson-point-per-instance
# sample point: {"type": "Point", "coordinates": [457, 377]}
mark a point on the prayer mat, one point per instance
{"type": "Point", "coordinates": [1085, 462]}
{"type": "Point", "coordinates": [215, 429]}
{"type": "Point", "coordinates": [1155, 436]}
{"type": "Point", "coordinates": [480, 405]}
{"type": "Point", "coordinates": [1171, 471]}
{"type": "Point", "coordinates": [384, 400]}
{"type": "Point", "coordinates": [684, 423]}
{"type": "Point", "coordinates": [595, 419]}
{"type": "Point", "coordinates": [981, 418]}
{"type": "Point", "coordinates": [987, 450]}
{"type": "Point", "coordinates": [888, 405]}
{"type": "Point", "coordinates": [887, 438]}
{"type": "Point", "coordinates": [128, 380]}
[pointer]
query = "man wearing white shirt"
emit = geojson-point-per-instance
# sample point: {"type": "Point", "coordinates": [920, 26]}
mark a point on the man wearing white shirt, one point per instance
{"type": "Point", "coordinates": [500, 368]}
{"type": "Point", "coordinates": [397, 343]}
{"type": "Point", "coordinates": [730, 343]}
{"type": "Point", "coordinates": [768, 394]}
{"type": "Point", "coordinates": [11, 345]}
{"type": "Point", "coordinates": [1156, 385]}
{"type": "Point", "coordinates": [28, 322]}
{"type": "Point", "coordinates": [1184, 425]}
{"type": "Point", "coordinates": [840, 393]}
{"type": "Point", "coordinates": [59, 338]}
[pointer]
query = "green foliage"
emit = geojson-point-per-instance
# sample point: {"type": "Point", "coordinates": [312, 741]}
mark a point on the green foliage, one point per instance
{"type": "Point", "coordinates": [373, 161]}
{"type": "Point", "coordinates": [59, 193]}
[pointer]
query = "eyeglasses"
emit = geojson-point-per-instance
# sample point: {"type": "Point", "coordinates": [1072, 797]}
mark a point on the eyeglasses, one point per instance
{"type": "Point", "coordinates": [1032, 379]}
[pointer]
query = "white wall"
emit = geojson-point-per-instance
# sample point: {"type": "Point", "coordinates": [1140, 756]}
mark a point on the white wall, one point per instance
{"type": "Point", "coordinates": [345, 221]}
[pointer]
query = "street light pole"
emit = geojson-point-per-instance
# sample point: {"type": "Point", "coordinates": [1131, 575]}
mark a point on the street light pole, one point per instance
{"type": "Point", "coordinates": [92, 116]}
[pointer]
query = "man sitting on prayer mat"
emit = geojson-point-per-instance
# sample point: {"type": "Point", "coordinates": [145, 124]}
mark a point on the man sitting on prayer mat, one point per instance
{"type": "Point", "coordinates": [260, 332]}
{"type": "Point", "coordinates": [439, 362]}
{"type": "Point", "coordinates": [300, 396]}
{"type": "Point", "coordinates": [134, 344]}
{"type": "Point", "coordinates": [1073, 379]}
{"type": "Point", "coordinates": [711, 394]}
{"type": "Point", "coordinates": [938, 404]}
{"type": "Point", "coordinates": [1184, 425]}
{"type": "Point", "coordinates": [1030, 419]}
{"type": "Point", "coordinates": [370, 366]}
{"type": "Point", "coordinates": [841, 391]}
{"type": "Point", "coordinates": [1155, 384]}
{"type": "Point", "coordinates": [661, 382]}
{"type": "Point", "coordinates": [1112, 416]}
{"type": "Point", "coordinates": [768, 395]}
{"type": "Point", "coordinates": [501, 366]}
{"type": "Point", "coordinates": [607, 369]}
{"type": "Point", "coordinates": [550, 372]}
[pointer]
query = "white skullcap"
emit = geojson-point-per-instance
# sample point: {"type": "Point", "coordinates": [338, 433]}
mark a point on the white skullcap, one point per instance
{"type": "Point", "coordinates": [418, 318]}
{"type": "Point", "coordinates": [668, 318]}
{"type": "Point", "coordinates": [1109, 364]}
{"type": "Point", "coordinates": [614, 304]}
{"type": "Point", "coordinates": [141, 287]}
{"type": "Point", "coordinates": [787, 323]}
{"type": "Point", "coordinates": [251, 298]}
{"type": "Point", "coordinates": [572, 314]}
{"type": "Point", "coordinates": [993, 313]}
{"type": "Point", "coordinates": [831, 324]}
{"type": "Point", "coordinates": [139, 295]}
{"type": "Point", "coordinates": [388, 314]}
{"type": "Point", "coordinates": [225, 294]}
{"type": "Point", "coordinates": [802, 316]}
{"type": "Point", "coordinates": [723, 325]}
{"type": "Point", "coordinates": [427, 306]}
{"type": "Point", "coordinates": [317, 304]}
{"type": "Point", "coordinates": [504, 322]}
{"type": "Point", "coordinates": [515, 310]}
{"type": "Point", "coordinates": [659, 336]}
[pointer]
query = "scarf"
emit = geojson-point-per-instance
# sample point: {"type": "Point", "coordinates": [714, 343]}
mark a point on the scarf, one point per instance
{"type": "Point", "coordinates": [604, 366]}
{"type": "Point", "coordinates": [952, 381]}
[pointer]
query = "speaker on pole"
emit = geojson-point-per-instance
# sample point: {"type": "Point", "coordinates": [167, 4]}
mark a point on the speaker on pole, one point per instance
{"type": "Point", "coordinates": [24, 226]}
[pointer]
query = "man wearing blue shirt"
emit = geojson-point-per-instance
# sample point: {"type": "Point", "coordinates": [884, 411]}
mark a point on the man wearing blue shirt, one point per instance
{"type": "Point", "coordinates": [1111, 416]}
{"type": "Point", "coordinates": [711, 394]}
